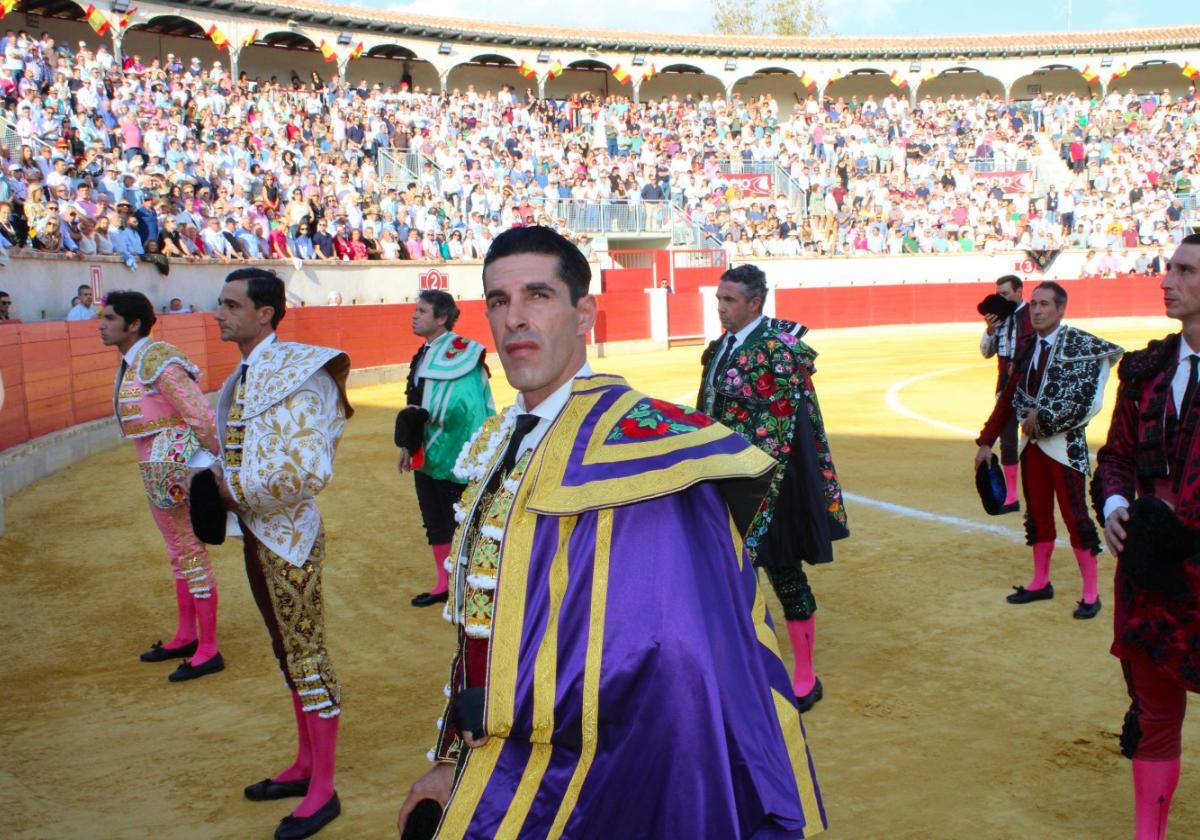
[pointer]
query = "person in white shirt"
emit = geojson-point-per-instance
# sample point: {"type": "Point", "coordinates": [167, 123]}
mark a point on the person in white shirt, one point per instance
{"type": "Point", "coordinates": [84, 310]}
{"type": "Point", "coordinates": [1153, 453]}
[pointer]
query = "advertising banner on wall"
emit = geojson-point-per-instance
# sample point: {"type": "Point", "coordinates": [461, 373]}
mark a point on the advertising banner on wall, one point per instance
{"type": "Point", "coordinates": [1009, 182]}
{"type": "Point", "coordinates": [751, 185]}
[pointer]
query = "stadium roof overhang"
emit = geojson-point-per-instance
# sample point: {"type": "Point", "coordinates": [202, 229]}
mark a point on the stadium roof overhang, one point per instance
{"type": "Point", "coordinates": [385, 23]}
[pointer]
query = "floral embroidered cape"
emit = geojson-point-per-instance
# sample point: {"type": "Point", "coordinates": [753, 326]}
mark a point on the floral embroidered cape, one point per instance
{"type": "Point", "coordinates": [767, 396]}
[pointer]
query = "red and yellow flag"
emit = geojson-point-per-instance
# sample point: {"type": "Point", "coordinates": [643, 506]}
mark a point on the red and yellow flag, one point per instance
{"type": "Point", "coordinates": [929, 74]}
{"type": "Point", "coordinates": [1120, 72]}
{"type": "Point", "coordinates": [358, 51]}
{"type": "Point", "coordinates": [621, 74]}
{"type": "Point", "coordinates": [328, 51]}
{"type": "Point", "coordinates": [556, 69]}
{"type": "Point", "coordinates": [251, 38]}
{"type": "Point", "coordinates": [898, 80]}
{"type": "Point", "coordinates": [1190, 71]}
{"type": "Point", "coordinates": [836, 74]}
{"type": "Point", "coordinates": [218, 37]}
{"type": "Point", "coordinates": [807, 80]}
{"type": "Point", "coordinates": [526, 69]}
{"type": "Point", "coordinates": [97, 20]}
{"type": "Point", "coordinates": [650, 73]}
{"type": "Point", "coordinates": [7, 6]}
{"type": "Point", "coordinates": [126, 18]}
{"type": "Point", "coordinates": [1089, 74]}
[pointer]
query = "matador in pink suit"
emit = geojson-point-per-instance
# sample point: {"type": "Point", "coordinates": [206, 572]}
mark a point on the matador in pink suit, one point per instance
{"type": "Point", "coordinates": [160, 407]}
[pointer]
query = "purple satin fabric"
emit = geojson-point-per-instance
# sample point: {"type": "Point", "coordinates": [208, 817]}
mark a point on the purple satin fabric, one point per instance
{"type": "Point", "coordinates": [689, 740]}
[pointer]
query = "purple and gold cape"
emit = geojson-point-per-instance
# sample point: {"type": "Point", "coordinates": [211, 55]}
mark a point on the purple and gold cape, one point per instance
{"type": "Point", "coordinates": [634, 684]}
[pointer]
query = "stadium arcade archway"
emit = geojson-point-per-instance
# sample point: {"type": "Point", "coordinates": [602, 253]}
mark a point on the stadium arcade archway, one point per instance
{"type": "Point", "coordinates": [583, 76]}
{"type": "Point", "coordinates": [961, 81]}
{"type": "Point", "coordinates": [864, 83]}
{"type": "Point", "coordinates": [778, 82]}
{"type": "Point", "coordinates": [1155, 77]}
{"type": "Point", "coordinates": [1052, 80]}
{"type": "Point", "coordinates": [392, 65]}
{"type": "Point", "coordinates": [680, 80]}
{"type": "Point", "coordinates": [166, 35]}
{"type": "Point", "coordinates": [487, 72]}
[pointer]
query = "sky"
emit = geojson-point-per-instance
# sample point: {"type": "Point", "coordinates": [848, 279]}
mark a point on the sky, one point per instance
{"type": "Point", "coordinates": [846, 17]}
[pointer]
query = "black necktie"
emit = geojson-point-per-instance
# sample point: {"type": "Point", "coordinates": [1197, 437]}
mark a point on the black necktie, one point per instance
{"type": "Point", "coordinates": [723, 362]}
{"type": "Point", "coordinates": [242, 378]}
{"type": "Point", "coordinates": [524, 425]}
{"type": "Point", "coordinates": [412, 392]}
{"type": "Point", "coordinates": [1189, 393]}
{"type": "Point", "coordinates": [1035, 377]}
{"type": "Point", "coordinates": [117, 387]}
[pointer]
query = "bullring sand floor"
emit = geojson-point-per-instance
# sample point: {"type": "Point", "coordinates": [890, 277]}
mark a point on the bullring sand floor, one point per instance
{"type": "Point", "coordinates": [947, 714]}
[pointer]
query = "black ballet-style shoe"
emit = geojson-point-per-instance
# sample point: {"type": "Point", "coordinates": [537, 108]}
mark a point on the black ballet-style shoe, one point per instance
{"type": "Point", "coordinates": [1021, 595]}
{"type": "Point", "coordinates": [428, 599]}
{"type": "Point", "coordinates": [812, 698]}
{"type": "Point", "coordinates": [1086, 610]}
{"type": "Point", "coordinates": [188, 671]}
{"type": "Point", "coordinates": [158, 653]}
{"type": "Point", "coordinates": [269, 789]}
{"type": "Point", "coordinates": [1013, 507]}
{"type": "Point", "coordinates": [296, 828]}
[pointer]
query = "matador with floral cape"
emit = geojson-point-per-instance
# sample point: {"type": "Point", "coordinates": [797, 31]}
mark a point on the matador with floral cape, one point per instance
{"type": "Point", "coordinates": [632, 681]}
{"type": "Point", "coordinates": [765, 393]}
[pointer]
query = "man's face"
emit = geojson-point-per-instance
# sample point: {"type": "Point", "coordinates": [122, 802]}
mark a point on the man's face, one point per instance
{"type": "Point", "coordinates": [1006, 291]}
{"type": "Point", "coordinates": [237, 316]}
{"type": "Point", "coordinates": [539, 333]}
{"type": "Point", "coordinates": [734, 307]}
{"type": "Point", "coordinates": [113, 330]}
{"type": "Point", "coordinates": [85, 296]}
{"type": "Point", "coordinates": [5, 305]}
{"type": "Point", "coordinates": [1181, 284]}
{"type": "Point", "coordinates": [1044, 312]}
{"type": "Point", "coordinates": [424, 322]}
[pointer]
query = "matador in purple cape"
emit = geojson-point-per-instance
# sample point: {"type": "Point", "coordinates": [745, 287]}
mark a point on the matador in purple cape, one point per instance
{"type": "Point", "coordinates": [633, 681]}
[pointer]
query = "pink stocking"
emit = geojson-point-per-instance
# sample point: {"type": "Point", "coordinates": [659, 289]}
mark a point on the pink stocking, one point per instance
{"type": "Point", "coordinates": [1153, 786]}
{"type": "Point", "coordinates": [1041, 565]}
{"type": "Point", "coordinates": [185, 628]}
{"type": "Point", "coordinates": [206, 614]}
{"type": "Point", "coordinates": [1011, 482]}
{"type": "Point", "coordinates": [440, 553]}
{"type": "Point", "coordinates": [322, 733]}
{"type": "Point", "coordinates": [1087, 569]}
{"type": "Point", "coordinates": [802, 634]}
{"type": "Point", "coordinates": [302, 768]}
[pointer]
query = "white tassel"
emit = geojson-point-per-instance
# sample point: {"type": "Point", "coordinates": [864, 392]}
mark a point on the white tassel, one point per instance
{"type": "Point", "coordinates": [478, 632]}
{"type": "Point", "coordinates": [481, 582]}
{"type": "Point", "coordinates": [440, 723]}
{"type": "Point", "coordinates": [492, 532]}
{"type": "Point", "coordinates": [446, 689]}
{"type": "Point", "coordinates": [431, 756]}
{"type": "Point", "coordinates": [330, 714]}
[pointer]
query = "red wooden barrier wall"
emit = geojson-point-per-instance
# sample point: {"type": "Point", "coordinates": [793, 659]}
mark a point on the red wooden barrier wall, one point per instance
{"type": "Point", "coordinates": [57, 374]}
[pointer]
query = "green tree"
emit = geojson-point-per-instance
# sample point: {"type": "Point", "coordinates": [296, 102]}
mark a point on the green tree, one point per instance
{"type": "Point", "coordinates": [769, 17]}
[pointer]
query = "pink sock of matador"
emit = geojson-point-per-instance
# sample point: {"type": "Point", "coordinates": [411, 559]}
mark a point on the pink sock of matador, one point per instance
{"type": "Point", "coordinates": [803, 636]}
{"type": "Point", "coordinates": [1153, 786]}
{"type": "Point", "coordinates": [440, 553]}
{"type": "Point", "coordinates": [185, 607]}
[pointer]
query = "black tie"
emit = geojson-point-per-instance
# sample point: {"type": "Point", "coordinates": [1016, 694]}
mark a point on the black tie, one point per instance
{"type": "Point", "coordinates": [245, 369]}
{"type": "Point", "coordinates": [723, 362]}
{"type": "Point", "coordinates": [1035, 377]}
{"type": "Point", "coordinates": [412, 391]}
{"type": "Point", "coordinates": [1189, 393]}
{"type": "Point", "coordinates": [125, 367]}
{"type": "Point", "coordinates": [525, 424]}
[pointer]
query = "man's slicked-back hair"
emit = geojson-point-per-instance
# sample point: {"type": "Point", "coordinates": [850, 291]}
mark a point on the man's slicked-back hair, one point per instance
{"type": "Point", "coordinates": [1060, 294]}
{"type": "Point", "coordinates": [133, 306]}
{"type": "Point", "coordinates": [573, 268]}
{"type": "Point", "coordinates": [264, 288]}
{"type": "Point", "coordinates": [749, 277]}
{"type": "Point", "coordinates": [1012, 280]}
{"type": "Point", "coordinates": [443, 305]}
{"type": "Point", "coordinates": [1191, 239]}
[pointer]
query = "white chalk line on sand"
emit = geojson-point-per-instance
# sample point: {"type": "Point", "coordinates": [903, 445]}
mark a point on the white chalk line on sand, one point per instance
{"type": "Point", "coordinates": [892, 398]}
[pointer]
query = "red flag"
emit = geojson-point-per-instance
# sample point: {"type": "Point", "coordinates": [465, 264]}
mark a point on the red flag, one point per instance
{"type": "Point", "coordinates": [1190, 71]}
{"type": "Point", "coordinates": [218, 38]}
{"type": "Point", "coordinates": [358, 51]}
{"type": "Point", "coordinates": [97, 20]}
{"type": "Point", "coordinates": [898, 80]}
{"type": "Point", "coordinates": [556, 69]}
{"type": "Point", "coordinates": [621, 74]}
{"type": "Point", "coordinates": [328, 51]}
{"type": "Point", "coordinates": [526, 69]}
{"type": "Point", "coordinates": [1090, 74]}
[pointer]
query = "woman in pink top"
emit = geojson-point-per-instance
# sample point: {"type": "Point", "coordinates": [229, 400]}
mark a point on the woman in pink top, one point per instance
{"type": "Point", "coordinates": [413, 245]}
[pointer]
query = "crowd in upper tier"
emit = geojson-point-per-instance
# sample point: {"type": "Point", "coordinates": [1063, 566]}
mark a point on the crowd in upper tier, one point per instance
{"type": "Point", "coordinates": [177, 161]}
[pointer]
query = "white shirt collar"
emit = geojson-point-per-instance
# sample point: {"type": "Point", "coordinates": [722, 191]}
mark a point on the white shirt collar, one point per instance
{"type": "Point", "coordinates": [1053, 336]}
{"type": "Point", "coordinates": [258, 350]}
{"type": "Point", "coordinates": [131, 354]}
{"type": "Point", "coordinates": [1185, 349]}
{"type": "Point", "coordinates": [741, 335]}
{"type": "Point", "coordinates": [549, 408]}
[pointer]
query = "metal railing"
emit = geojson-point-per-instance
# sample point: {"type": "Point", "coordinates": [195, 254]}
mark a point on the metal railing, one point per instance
{"type": "Point", "coordinates": [392, 166]}
{"type": "Point", "coordinates": [605, 217]}
{"type": "Point", "coordinates": [782, 181]}
{"type": "Point", "coordinates": [999, 163]}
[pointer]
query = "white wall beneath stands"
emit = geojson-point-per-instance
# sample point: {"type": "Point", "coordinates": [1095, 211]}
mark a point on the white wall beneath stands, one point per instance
{"type": "Point", "coordinates": [43, 288]}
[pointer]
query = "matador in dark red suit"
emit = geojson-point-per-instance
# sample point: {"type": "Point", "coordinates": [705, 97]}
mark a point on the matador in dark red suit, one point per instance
{"type": "Point", "coordinates": [1153, 450]}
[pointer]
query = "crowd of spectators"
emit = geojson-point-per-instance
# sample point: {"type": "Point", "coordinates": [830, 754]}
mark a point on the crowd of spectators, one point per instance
{"type": "Point", "coordinates": [175, 161]}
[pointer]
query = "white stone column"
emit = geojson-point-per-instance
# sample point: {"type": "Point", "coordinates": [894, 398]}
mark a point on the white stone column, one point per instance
{"type": "Point", "coordinates": [660, 328]}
